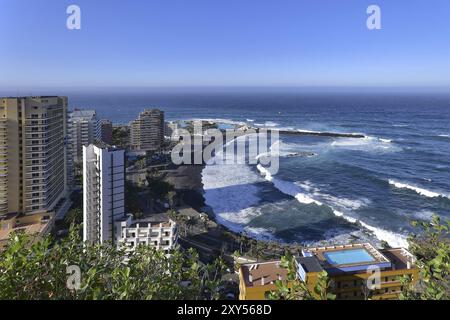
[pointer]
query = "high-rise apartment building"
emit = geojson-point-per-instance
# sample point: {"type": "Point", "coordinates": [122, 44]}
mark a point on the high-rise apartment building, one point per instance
{"type": "Point", "coordinates": [106, 130]}
{"type": "Point", "coordinates": [147, 131]}
{"type": "Point", "coordinates": [84, 130]}
{"type": "Point", "coordinates": [103, 191]}
{"type": "Point", "coordinates": [33, 167]}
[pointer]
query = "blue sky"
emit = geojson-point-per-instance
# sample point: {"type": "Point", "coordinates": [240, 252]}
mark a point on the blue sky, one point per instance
{"type": "Point", "coordinates": [309, 43]}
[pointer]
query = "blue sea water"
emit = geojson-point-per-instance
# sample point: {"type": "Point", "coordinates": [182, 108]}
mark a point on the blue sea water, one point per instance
{"type": "Point", "coordinates": [353, 190]}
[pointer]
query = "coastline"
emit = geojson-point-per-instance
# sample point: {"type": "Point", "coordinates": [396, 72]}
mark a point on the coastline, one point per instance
{"type": "Point", "coordinates": [219, 238]}
{"type": "Point", "coordinates": [365, 232]}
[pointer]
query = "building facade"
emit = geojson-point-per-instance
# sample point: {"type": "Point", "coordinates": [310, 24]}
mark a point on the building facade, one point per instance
{"type": "Point", "coordinates": [33, 166]}
{"type": "Point", "coordinates": [357, 271]}
{"type": "Point", "coordinates": [84, 130]}
{"type": "Point", "coordinates": [103, 191]}
{"type": "Point", "coordinates": [106, 130]}
{"type": "Point", "coordinates": [160, 234]}
{"type": "Point", "coordinates": [147, 131]}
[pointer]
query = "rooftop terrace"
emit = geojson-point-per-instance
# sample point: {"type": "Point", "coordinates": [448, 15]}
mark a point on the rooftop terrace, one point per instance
{"type": "Point", "coordinates": [260, 274]}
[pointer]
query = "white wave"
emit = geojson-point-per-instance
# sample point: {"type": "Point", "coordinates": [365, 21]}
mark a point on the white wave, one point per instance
{"type": "Point", "coordinates": [367, 143]}
{"type": "Point", "coordinates": [219, 120]}
{"type": "Point", "coordinates": [444, 135]}
{"type": "Point", "coordinates": [393, 239]}
{"type": "Point", "coordinates": [344, 203]}
{"type": "Point", "coordinates": [231, 191]}
{"type": "Point", "coordinates": [287, 187]}
{"type": "Point", "coordinates": [271, 124]}
{"type": "Point", "coordinates": [279, 149]}
{"type": "Point", "coordinates": [250, 120]}
{"type": "Point", "coordinates": [348, 204]}
{"type": "Point", "coordinates": [267, 124]}
{"type": "Point", "coordinates": [259, 233]}
{"type": "Point", "coordinates": [308, 131]}
{"type": "Point", "coordinates": [421, 191]}
{"type": "Point", "coordinates": [336, 237]}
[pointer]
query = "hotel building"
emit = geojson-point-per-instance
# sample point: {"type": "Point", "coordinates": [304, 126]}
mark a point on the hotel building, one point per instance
{"type": "Point", "coordinates": [147, 131]}
{"type": "Point", "coordinates": [33, 168]}
{"type": "Point", "coordinates": [358, 271]}
{"type": "Point", "coordinates": [103, 191]}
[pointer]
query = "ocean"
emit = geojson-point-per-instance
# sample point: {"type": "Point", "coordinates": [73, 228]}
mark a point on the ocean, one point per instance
{"type": "Point", "coordinates": [351, 190]}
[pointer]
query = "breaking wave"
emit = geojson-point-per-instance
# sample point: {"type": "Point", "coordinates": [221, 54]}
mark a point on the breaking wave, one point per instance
{"type": "Point", "coordinates": [289, 188]}
{"type": "Point", "coordinates": [421, 191]}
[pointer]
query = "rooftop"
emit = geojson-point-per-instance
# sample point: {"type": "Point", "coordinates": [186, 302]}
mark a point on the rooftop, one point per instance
{"type": "Point", "coordinates": [102, 145]}
{"type": "Point", "coordinates": [83, 114]}
{"type": "Point", "coordinates": [310, 264]}
{"type": "Point", "coordinates": [155, 220]}
{"type": "Point", "coordinates": [33, 225]}
{"type": "Point", "coordinates": [355, 258]}
{"type": "Point", "coordinates": [347, 255]}
{"type": "Point", "coordinates": [260, 274]}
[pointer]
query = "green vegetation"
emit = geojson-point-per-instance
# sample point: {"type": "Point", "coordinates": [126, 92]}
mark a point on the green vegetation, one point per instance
{"type": "Point", "coordinates": [158, 188]}
{"type": "Point", "coordinates": [432, 250]}
{"type": "Point", "coordinates": [120, 136]}
{"type": "Point", "coordinates": [132, 200]}
{"type": "Point", "coordinates": [74, 217]}
{"type": "Point", "coordinates": [39, 271]}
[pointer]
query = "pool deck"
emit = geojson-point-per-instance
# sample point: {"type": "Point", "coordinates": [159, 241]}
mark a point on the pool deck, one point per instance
{"type": "Point", "coordinates": [378, 257]}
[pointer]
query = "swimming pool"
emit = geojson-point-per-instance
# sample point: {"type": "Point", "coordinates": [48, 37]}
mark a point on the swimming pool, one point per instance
{"type": "Point", "coordinates": [348, 256]}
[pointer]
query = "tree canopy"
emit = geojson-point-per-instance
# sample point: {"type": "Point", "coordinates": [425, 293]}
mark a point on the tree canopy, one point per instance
{"type": "Point", "coordinates": [41, 270]}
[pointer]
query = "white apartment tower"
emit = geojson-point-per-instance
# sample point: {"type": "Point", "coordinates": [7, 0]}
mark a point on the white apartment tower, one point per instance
{"type": "Point", "coordinates": [84, 129]}
{"type": "Point", "coordinates": [147, 131]}
{"type": "Point", "coordinates": [103, 191]}
{"type": "Point", "coordinates": [33, 166]}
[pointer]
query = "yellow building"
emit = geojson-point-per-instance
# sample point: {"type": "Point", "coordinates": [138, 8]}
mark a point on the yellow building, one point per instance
{"type": "Point", "coordinates": [33, 172]}
{"type": "Point", "coordinates": [358, 271]}
{"type": "Point", "coordinates": [259, 278]}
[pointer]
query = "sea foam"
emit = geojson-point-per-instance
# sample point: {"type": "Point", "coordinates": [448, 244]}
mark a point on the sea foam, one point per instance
{"type": "Point", "coordinates": [289, 188]}
{"type": "Point", "coordinates": [421, 191]}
